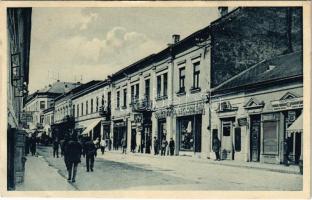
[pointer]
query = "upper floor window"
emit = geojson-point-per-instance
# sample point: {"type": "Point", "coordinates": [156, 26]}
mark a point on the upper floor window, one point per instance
{"type": "Point", "coordinates": [165, 85]}
{"type": "Point", "coordinates": [118, 99]}
{"type": "Point", "coordinates": [182, 79]}
{"type": "Point", "coordinates": [109, 99]}
{"type": "Point", "coordinates": [124, 98]}
{"type": "Point", "coordinates": [97, 104]}
{"type": "Point", "coordinates": [91, 106]}
{"type": "Point", "coordinates": [73, 113]}
{"type": "Point", "coordinates": [77, 110]}
{"type": "Point", "coordinates": [196, 73]}
{"type": "Point", "coordinates": [162, 85]}
{"type": "Point", "coordinates": [132, 93]}
{"type": "Point", "coordinates": [42, 105]}
{"type": "Point", "coordinates": [81, 109]}
{"type": "Point", "coordinates": [158, 86]}
{"type": "Point", "coordinates": [147, 89]}
{"type": "Point", "coordinates": [102, 100]}
{"type": "Point", "coordinates": [137, 91]}
{"type": "Point", "coordinates": [87, 107]}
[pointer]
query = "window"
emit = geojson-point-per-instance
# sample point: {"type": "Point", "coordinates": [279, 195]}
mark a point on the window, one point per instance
{"type": "Point", "coordinates": [182, 79]}
{"type": "Point", "coordinates": [109, 99]}
{"type": "Point", "coordinates": [165, 85]}
{"type": "Point", "coordinates": [270, 141]}
{"type": "Point", "coordinates": [97, 104]}
{"type": "Point", "coordinates": [81, 109]}
{"type": "Point", "coordinates": [87, 108]}
{"type": "Point", "coordinates": [158, 86]}
{"type": "Point", "coordinates": [91, 105]}
{"type": "Point", "coordinates": [118, 99]}
{"type": "Point", "coordinates": [124, 98]}
{"type": "Point", "coordinates": [132, 93]}
{"type": "Point", "coordinates": [102, 100]}
{"type": "Point", "coordinates": [187, 133]}
{"type": "Point", "coordinates": [77, 111]}
{"type": "Point", "coordinates": [147, 89]}
{"type": "Point", "coordinates": [137, 91]}
{"type": "Point", "coordinates": [196, 75]}
{"type": "Point", "coordinates": [42, 105]}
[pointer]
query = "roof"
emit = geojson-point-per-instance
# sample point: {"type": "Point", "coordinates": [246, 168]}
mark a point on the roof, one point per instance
{"type": "Point", "coordinates": [91, 88]}
{"type": "Point", "coordinates": [279, 68]}
{"type": "Point", "coordinates": [76, 90]}
{"type": "Point", "coordinates": [53, 90]}
{"type": "Point", "coordinates": [59, 87]}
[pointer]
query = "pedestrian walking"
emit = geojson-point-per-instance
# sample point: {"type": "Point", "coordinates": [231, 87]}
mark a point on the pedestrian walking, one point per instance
{"type": "Point", "coordinates": [56, 148]}
{"type": "Point", "coordinates": [156, 146]}
{"type": "Point", "coordinates": [124, 145]}
{"type": "Point", "coordinates": [216, 144]}
{"type": "Point", "coordinates": [148, 145]}
{"type": "Point", "coordinates": [171, 146]}
{"type": "Point", "coordinates": [90, 152]}
{"type": "Point", "coordinates": [164, 145]}
{"type": "Point", "coordinates": [33, 145]}
{"type": "Point", "coordinates": [62, 144]}
{"type": "Point", "coordinates": [72, 156]}
{"type": "Point", "coordinates": [103, 145]}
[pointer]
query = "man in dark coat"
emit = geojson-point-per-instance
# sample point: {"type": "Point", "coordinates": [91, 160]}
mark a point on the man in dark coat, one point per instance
{"type": "Point", "coordinates": [286, 151]}
{"type": "Point", "coordinates": [171, 146]}
{"type": "Point", "coordinates": [56, 148]}
{"type": "Point", "coordinates": [72, 155]}
{"type": "Point", "coordinates": [90, 152]}
{"type": "Point", "coordinates": [216, 144]}
{"type": "Point", "coordinates": [33, 145]}
{"type": "Point", "coordinates": [156, 146]}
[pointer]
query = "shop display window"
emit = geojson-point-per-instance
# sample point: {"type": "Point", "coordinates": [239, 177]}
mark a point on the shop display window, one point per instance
{"type": "Point", "coordinates": [187, 134]}
{"type": "Point", "coordinates": [270, 140]}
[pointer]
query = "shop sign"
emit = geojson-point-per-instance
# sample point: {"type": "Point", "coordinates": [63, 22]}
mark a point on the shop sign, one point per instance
{"type": "Point", "coordinates": [287, 104]}
{"type": "Point", "coordinates": [162, 113]}
{"type": "Point", "coordinates": [26, 117]}
{"type": "Point", "coordinates": [189, 110]}
{"type": "Point", "coordinates": [120, 124]}
{"type": "Point", "coordinates": [242, 121]}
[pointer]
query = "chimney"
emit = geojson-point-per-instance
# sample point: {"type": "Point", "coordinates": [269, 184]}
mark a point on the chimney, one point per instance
{"type": "Point", "coordinates": [175, 38]}
{"type": "Point", "coordinates": [223, 11]}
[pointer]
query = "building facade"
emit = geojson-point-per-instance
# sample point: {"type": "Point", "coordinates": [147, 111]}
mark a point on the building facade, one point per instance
{"type": "Point", "coordinates": [90, 107]}
{"type": "Point", "coordinates": [19, 30]}
{"type": "Point", "coordinates": [252, 111]}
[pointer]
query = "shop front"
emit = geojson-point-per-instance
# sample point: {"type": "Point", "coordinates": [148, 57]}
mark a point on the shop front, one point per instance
{"type": "Point", "coordinates": [141, 133]}
{"type": "Point", "coordinates": [189, 128]}
{"type": "Point", "coordinates": [119, 132]}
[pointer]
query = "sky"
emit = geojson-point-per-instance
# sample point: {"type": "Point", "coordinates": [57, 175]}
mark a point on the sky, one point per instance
{"type": "Point", "coordinates": [84, 44]}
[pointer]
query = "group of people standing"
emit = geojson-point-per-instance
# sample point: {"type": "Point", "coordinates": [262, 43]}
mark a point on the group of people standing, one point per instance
{"type": "Point", "coordinates": [31, 145]}
{"type": "Point", "coordinates": [163, 146]}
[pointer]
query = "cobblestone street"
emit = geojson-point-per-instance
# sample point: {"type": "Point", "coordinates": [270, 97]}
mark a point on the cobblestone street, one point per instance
{"type": "Point", "coordinates": [114, 171]}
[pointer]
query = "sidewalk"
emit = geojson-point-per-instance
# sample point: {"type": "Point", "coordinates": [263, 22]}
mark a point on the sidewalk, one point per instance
{"type": "Point", "coordinates": [40, 176]}
{"type": "Point", "coordinates": [292, 169]}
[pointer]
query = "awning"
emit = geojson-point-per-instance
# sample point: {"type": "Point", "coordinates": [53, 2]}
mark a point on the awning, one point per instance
{"type": "Point", "coordinates": [296, 127]}
{"type": "Point", "coordinates": [91, 125]}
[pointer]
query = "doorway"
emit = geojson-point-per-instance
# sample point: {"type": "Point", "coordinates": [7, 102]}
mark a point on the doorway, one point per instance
{"type": "Point", "coordinates": [255, 122]}
{"type": "Point", "coordinates": [227, 141]}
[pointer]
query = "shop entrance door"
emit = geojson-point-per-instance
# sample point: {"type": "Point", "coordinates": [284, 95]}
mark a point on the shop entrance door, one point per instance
{"type": "Point", "coordinates": [227, 142]}
{"type": "Point", "coordinates": [255, 138]}
{"type": "Point", "coordinates": [162, 131]}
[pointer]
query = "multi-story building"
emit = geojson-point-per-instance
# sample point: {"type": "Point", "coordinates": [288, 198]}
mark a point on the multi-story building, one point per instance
{"type": "Point", "coordinates": [251, 113]}
{"type": "Point", "coordinates": [64, 120]}
{"type": "Point", "coordinates": [167, 94]}
{"type": "Point", "coordinates": [44, 99]}
{"type": "Point", "coordinates": [19, 29]}
{"type": "Point", "coordinates": [91, 108]}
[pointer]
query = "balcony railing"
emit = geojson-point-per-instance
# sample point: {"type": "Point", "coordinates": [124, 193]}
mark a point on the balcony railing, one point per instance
{"type": "Point", "coordinates": [142, 105]}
